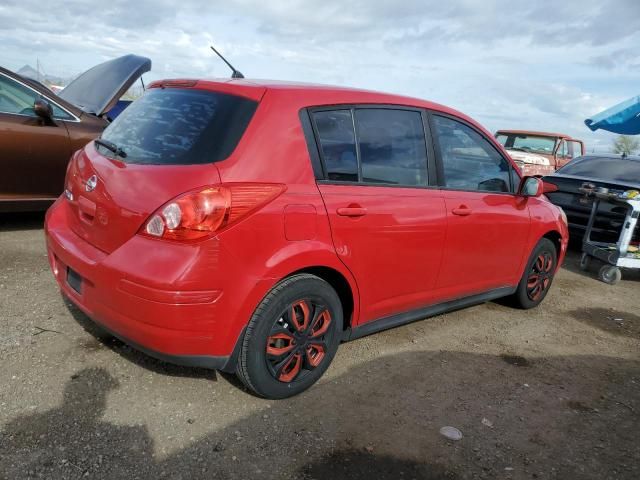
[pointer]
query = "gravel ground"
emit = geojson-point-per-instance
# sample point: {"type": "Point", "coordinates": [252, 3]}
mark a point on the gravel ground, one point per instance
{"type": "Point", "coordinates": [551, 393]}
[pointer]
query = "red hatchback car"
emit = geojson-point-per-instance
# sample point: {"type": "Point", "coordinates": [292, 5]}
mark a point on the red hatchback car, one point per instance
{"type": "Point", "coordinates": [251, 227]}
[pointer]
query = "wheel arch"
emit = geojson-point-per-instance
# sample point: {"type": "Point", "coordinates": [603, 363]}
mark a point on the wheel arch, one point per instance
{"type": "Point", "coordinates": [340, 284]}
{"type": "Point", "coordinates": [556, 239]}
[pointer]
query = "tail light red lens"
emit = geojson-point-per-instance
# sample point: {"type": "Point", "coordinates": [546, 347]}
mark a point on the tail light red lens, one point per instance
{"type": "Point", "coordinates": [204, 212]}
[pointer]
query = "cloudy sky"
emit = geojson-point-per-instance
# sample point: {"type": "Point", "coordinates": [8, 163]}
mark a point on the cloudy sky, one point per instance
{"type": "Point", "coordinates": [542, 65]}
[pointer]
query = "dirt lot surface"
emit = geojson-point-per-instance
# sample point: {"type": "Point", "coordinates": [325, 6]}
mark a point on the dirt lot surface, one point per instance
{"type": "Point", "coordinates": [551, 393]}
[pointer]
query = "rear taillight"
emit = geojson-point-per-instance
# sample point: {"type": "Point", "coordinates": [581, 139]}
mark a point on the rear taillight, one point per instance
{"type": "Point", "coordinates": [203, 212]}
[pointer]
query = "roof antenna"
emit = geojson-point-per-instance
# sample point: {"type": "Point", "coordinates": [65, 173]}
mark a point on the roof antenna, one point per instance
{"type": "Point", "coordinates": [236, 73]}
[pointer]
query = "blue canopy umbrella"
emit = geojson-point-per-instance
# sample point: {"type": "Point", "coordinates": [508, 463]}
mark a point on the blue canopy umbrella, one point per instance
{"type": "Point", "coordinates": [623, 118]}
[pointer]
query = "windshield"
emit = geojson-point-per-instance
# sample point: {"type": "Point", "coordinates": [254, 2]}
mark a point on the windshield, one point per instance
{"type": "Point", "coordinates": [179, 127]}
{"type": "Point", "coordinates": [527, 143]}
{"type": "Point", "coordinates": [608, 169]}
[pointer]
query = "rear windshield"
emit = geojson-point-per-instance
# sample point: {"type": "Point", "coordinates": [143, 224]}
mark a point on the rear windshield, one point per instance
{"type": "Point", "coordinates": [608, 169]}
{"type": "Point", "coordinates": [179, 127]}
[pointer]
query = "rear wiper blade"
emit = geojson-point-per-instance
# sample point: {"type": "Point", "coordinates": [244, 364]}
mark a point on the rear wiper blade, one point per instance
{"type": "Point", "coordinates": [112, 147]}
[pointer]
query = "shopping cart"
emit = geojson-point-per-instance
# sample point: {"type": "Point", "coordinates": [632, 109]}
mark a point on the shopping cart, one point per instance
{"type": "Point", "coordinates": [614, 255]}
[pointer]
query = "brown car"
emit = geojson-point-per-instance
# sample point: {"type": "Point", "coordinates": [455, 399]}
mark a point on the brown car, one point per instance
{"type": "Point", "coordinates": [39, 130]}
{"type": "Point", "coordinates": [540, 153]}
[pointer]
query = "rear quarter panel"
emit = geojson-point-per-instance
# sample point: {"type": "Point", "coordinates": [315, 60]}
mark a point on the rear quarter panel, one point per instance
{"type": "Point", "coordinates": [292, 232]}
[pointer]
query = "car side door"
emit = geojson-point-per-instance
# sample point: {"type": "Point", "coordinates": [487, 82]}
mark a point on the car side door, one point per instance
{"type": "Point", "coordinates": [34, 153]}
{"type": "Point", "coordinates": [386, 216]}
{"type": "Point", "coordinates": [487, 222]}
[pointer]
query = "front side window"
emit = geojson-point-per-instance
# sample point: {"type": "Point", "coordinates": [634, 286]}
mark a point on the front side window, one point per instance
{"type": "Point", "coordinates": [392, 146]}
{"type": "Point", "coordinates": [18, 99]}
{"type": "Point", "coordinates": [562, 149]}
{"type": "Point", "coordinates": [338, 144]}
{"type": "Point", "coordinates": [469, 160]}
{"type": "Point", "coordinates": [170, 126]}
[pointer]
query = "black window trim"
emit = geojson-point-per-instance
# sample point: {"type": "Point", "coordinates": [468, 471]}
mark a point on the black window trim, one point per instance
{"type": "Point", "coordinates": [315, 152]}
{"type": "Point", "coordinates": [308, 130]}
{"type": "Point", "coordinates": [513, 176]}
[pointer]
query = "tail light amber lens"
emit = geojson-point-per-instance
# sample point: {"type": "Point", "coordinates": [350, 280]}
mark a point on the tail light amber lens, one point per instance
{"type": "Point", "coordinates": [204, 212]}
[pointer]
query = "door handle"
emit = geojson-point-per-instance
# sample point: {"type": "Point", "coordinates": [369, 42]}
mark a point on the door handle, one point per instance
{"type": "Point", "coordinates": [351, 211]}
{"type": "Point", "coordinates": [462, 211]}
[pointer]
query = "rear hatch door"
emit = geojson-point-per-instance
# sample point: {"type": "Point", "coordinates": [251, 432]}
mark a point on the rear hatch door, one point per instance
{"type": "Point", "coordinates": [98, 89]}
{"type": "Point", "coordinates": [112, 199]}
{"type": "Point", "coordinates": [169, 141]}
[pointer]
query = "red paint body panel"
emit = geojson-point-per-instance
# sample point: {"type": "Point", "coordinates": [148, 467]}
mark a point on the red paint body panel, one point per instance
{"type": "Point", "coordinates": [485, 249]}
{"type": "Point", "coordinates": [397, 248]}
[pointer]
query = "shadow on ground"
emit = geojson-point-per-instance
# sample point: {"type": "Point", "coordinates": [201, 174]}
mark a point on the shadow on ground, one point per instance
{"type": "Point", "coordinates": [560, 417]}
{"type": "Point", "coordinates": [102, 338]}
{"type": "Point", "coordinates": [610, 320]}
{"type": "Point", "coordinates": [21, 221]}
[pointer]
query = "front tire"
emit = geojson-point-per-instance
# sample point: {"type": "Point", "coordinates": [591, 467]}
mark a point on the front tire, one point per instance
{"type": "Point", "coordinates": [291, 338]}
{"type": "Point", "coordinates": [538, 275]}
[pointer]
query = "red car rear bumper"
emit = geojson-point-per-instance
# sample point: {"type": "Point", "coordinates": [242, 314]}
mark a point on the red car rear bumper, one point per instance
{"type": "Point", "coordinates": [174, 324]}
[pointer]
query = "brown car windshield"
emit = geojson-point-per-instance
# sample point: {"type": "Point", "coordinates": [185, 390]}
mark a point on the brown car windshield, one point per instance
{"type": "Point", "coordinates": [527, 143]}
{"type": "Point", "coordinates": [179, 127]}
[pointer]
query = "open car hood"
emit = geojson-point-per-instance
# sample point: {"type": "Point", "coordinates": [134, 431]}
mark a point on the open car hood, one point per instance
{"type": "Point", "coordinates": [98, 89]}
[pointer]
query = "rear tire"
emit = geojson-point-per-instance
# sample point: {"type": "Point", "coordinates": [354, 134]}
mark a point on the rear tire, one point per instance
{"type": "Point", "coordinates": [291, 338]}
{"type": "Point", "coordinates": [538, 275]}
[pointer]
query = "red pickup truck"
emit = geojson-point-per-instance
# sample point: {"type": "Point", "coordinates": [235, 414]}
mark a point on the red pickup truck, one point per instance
{"type": "Point", "coordinates": [540, 153]}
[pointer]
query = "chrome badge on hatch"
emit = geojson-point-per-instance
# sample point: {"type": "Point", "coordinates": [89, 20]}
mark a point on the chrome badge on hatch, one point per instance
{"type": "Point", "coordinates": [90, 184]}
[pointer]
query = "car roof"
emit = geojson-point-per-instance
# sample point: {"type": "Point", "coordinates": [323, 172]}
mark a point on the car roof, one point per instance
{"type": "Point", "coordinates": [255, 88]}
{"type": "Point", "coordinates": [537, 134]}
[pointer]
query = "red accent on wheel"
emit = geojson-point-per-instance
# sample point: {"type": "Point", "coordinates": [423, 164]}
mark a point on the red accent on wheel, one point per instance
{"type": "Point", "coordinates": [321, 325]}
{"type": "Point", "coordinates": [291, 369]}
{"type": "Point", "coordinates": [315, 354]}
{"type": "Point", "coordinates": [297, 340]}
{"type": "Point", "coordinates": [540, 275]}
{"type": "Point", "coordinates": [300, 315]}
{"type": "Point", "coordinates": [279, 344]}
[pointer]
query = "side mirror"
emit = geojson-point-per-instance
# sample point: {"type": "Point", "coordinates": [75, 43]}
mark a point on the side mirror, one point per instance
{"type": "Point", "coordinates": [43, 110]}
{"type": "Point", "coordinates": [531, 187]}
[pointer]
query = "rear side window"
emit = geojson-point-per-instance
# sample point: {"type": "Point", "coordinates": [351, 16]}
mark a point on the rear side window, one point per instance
{"type": "Point", "coordinates": [392, 146]}
{"type": "Point", "coordinates": [338, 144]}
{"type": "Point", "coordinates": [179, 127]}
{"type": "Point", "coordinates": [575, 149]}
{"type": "Point", "coordinates": [469, 161]}
{"type": "Point", "coordinates": [389, 147]}
{"type": "Point", "coordinates": [608, 169]}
